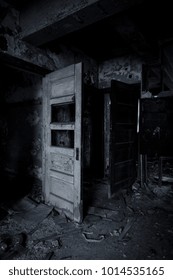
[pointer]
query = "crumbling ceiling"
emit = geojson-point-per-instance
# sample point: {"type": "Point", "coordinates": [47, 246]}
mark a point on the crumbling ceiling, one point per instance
{"type": "Point", "coordinates": [102, 29]}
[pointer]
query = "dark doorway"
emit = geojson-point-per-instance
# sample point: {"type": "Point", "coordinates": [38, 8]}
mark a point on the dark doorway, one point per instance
{"type": "Point", "coordinates": [123, 144]}
{"type": "Point", "coordinates": [110, 134]}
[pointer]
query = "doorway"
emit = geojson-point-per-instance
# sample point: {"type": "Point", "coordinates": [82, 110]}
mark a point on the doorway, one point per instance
{"type": "Point", "coordinates": [113, 119]}
{"type": "Point", "coordinates": [75, 148]}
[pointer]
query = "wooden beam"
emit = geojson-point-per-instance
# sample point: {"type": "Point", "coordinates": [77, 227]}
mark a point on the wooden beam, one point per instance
{"type": "Point", "coordinates": [46, 20]}
{"type": "Point", "coordinates": [22, 55]}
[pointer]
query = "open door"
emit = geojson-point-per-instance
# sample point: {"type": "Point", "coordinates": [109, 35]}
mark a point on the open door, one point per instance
{"type": "Point", "coordinates": [62, 120]}
{"type": "Point", "coordinates": [123, 146]}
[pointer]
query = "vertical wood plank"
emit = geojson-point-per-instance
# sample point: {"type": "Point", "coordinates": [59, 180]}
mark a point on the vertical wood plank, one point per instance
{"type": "Point", "coordinates": [45, 140]}
{"type": "Point", "coordinates": [106, 134]}
{"type": "Point", "coordinates": [78, 143]}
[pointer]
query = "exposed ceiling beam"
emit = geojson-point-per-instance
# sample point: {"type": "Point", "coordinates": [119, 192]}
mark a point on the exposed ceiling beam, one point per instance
{"type": "Point", "coordinates": [27, 57]}
{"type": "Point", "coordinates": [46, 20]}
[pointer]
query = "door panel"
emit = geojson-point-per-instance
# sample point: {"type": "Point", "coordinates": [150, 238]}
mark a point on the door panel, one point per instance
{"type": "Point", "coordinates": [62, 163]}
{"type": "Point", "coordinates": [64, 190]}
{"type": "Point", "coordinates": [62, 176]}
{"type": "Point", "coordinates": [65, 206]}
{"type": "Point", "coordinates": [124, 104]}
{"type": "Point", "coordinates": [63, 87]}
{"type": "Point", "coordinates": [62, 110]}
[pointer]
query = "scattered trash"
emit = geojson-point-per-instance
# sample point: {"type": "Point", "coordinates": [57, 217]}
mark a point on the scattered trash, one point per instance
{"type": "Point", "coordinates": [137, 195]}
{"type": "Point", "coordinates": [50, 237]}
{"type": "Point", "coordinates": [34, 217]}
{"type": "Point", "coordinates": [49, 256]}
{"type": "Point", "coordinates": [163, 191]}
{"type": "Point", "coordinates": [130, 209]}
{"type": "Point", "coordinates": [135, 187]}
{"type": "Point", "coordinates": [165, 179]}
{"type": "Point", "coordinates": [12, 245]}
{"type": "Point", "coordinates": [24, 205]}
{"type": "Point", "coordinates": [151, 211]}
{"type": "Point", "coordinates": [103, 213]}
{"type": "Point", "coordinates": [127, 227]}
{"type": "Point", "coordinates": [3, 214]}
{"type": "Point", "coordinates": [93, 240]}
{"type": "Point", "coordinates": [88, 232]}
{"type": "Point", "coordinates": [116, 232]}
{"type": "Point", "coordinates": [66, 258]}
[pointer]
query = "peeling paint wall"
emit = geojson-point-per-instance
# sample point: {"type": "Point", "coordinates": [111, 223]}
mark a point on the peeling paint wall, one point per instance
{"type": "Point", "coordinates": [90, 68]}
{"type": "Point", "coordinates": [9, 19]}
{"type": "Point", "coordinates": [125, 69]}
{"type": "Point", "coordinates": [9, 24]}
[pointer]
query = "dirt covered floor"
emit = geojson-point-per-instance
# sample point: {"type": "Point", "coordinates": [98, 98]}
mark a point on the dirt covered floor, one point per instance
{"type": "Point", "coordinates": [136, 224]}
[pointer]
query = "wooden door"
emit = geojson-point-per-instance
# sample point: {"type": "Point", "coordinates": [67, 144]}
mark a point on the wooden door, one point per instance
{"type": "Point", "coordinates": [123, 148]}
{"type": "Point", "coordinates": [62, 111]}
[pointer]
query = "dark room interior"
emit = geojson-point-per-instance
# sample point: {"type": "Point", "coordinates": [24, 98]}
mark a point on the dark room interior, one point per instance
{"type": "Point", "coordinates": [86, 106]}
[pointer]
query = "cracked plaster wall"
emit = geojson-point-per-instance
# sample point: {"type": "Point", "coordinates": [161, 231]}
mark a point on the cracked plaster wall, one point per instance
{"type": "Point", "coordinates": [125, 69]}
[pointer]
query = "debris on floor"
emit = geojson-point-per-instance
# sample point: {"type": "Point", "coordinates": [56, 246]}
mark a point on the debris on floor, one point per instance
{"type": "Point", "coordinates": [103, 213]}
{"type": "Point", "coordinates": [12, 245]}
{"type": "Point", "coordinates": [93, 240]}
{"type": "Point", "coordinates": [135, 224]}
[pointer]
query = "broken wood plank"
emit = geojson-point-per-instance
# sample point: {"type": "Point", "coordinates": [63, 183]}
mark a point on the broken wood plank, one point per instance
{"type": "Point", "coordinates": [34, 217]}
{"type": "Point", "coordinates": [127, 228]}
{"type": "Point", "coordinates": [66, 258]}
{"type": "Point", "coordinates": [24, 205]}
{"type": "Point", "coordinates": [165, 179]}
{"type": "Point", "coordinates": [101, 212]}
{"type": "Point", "coordinates": [51, 237]}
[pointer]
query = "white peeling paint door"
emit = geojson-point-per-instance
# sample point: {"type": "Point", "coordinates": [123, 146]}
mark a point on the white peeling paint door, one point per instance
{"type": "Point", "coordinates": [62, 120]}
